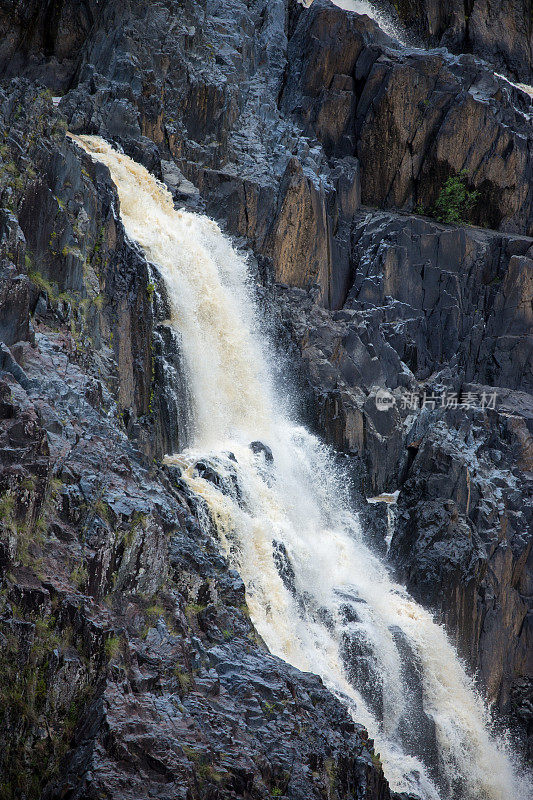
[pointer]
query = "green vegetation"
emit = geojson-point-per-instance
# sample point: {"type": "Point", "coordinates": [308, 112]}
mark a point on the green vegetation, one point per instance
{"type": "Point", "coordinates": [208, 773]}
{"type": "Point", "coordinates": [269, 708]}
{"type": "Point", "coordinates": [102, 510]}
{"type": "Point", "coordinates": [184, 680]}
{"type": "Point", "coordinates": [27, 763]}
{"type": "Point", "coordinates": [24, 529]}
{"type": "Point", "coordinates": [111, 647]}
{"type": "Point", "coordinates": [455, 200]}
{"type": "Point", "coordinates": [79, 576]}
{"type": "Point", "coordinates": [44, 284]}
{"type": "Point", "coordinates": [99, 301]}
{"type": "Point", "coordinates": [331, 772]}
{"type": "Point", "coordinates": [194, 608]}
{"type": "Point", "coordinates": [7, 509]}
{"type": "Point", "coordinates": [154, 612]}
{"type": "Point", "coordinates": [204, 771]}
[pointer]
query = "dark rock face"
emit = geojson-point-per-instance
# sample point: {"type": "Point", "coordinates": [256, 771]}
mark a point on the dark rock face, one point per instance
{"type": "Point", "coordinates": [412, 118]}
{"type": "Point", "coordinates": [106, 568]}
{"type": "Point", "coordinates": [424, 318]}
{"type": "Point", "coordinates": [128, 661]}
{"type": "Point", "coordinates": [427, 301]}
{"type": "Point", "coordinates": [463, 538]}
{"type": "Point", "coordinates": [447, 297]}
{"type": "Point", "coordinates": [42, 40]}
{"type": "Point", "coordinates": [499, 31]}
{"type": "Point", "coordinates": [82, 269]}
{"type": "Point", "coordinates": [263, 449]}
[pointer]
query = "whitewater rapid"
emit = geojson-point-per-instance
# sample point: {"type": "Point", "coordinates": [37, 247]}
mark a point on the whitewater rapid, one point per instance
{"type": "Point", "coordinates": [317, 595]}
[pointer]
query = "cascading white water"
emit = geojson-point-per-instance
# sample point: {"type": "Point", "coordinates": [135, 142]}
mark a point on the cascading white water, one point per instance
{"type": "Point", "coordinates": [364, 7]}
{"type": "Point", "coordinates": [383, 20]}
{"type": "Point", "coordinates": [318, 597]}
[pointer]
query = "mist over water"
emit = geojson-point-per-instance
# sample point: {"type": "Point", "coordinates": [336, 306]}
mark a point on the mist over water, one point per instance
{"type": "Point", "coordinates": [317, 595]}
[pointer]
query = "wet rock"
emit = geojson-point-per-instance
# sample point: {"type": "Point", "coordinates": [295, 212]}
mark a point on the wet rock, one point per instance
{"type": "Point", "coordinates": [461, 540]}
{"type": "Point", "coordinates": [283, 120]}
{"type": "Point", "coordinates": [132, 629]}
{"type": "Point", "coordinates": [418, 730]}
{"type": "Point", "coordinates": [263, 449]}
{"type": "Point", "coordinates": [498, 31]}
{"type": "Point", "coordinates": [177, 183]}
{"type": "Point", "coordinates": [224, 476]}
{"type": "Point", "coordinates": [284, 566]}
{"type": "Point", "coordinates": [458, 112]}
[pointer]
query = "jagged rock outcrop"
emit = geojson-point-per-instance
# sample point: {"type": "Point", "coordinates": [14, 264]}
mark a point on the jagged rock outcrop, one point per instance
{"type": "Point", "coordinates": [412, 118]}
{"type": "Point", "coordinates": [64, 245]}
{"type": "Point", "coordinates": [431, 311]}
{"type": "Point", "coordinates": [41, 41]}
{"type": "Point", "coordinates": [500, 31]}
{"type": "Point", "coordinates": [463, 537]}
{"type": "Point", "coordinates": [427, 302]}
{"type": "Point", "coordinates": [126, 637]}
{"type": "Point", "coordinates": [124, 632]}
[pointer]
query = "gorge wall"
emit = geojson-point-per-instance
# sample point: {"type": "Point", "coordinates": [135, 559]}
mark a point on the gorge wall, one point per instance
{"type": "Point", "coordinates": [324, 146]}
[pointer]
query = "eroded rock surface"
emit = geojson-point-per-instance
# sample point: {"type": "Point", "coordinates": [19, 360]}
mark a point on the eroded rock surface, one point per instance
{"type": "Point", "coordinates": [497, 30]}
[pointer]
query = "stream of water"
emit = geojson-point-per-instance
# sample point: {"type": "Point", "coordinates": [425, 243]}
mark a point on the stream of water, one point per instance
{"type": "Point", "coordinates": [318, 596]}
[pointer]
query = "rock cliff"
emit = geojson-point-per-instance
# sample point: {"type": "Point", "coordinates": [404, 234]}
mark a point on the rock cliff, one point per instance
{"type": "Point", "coordinates": [129, 663]}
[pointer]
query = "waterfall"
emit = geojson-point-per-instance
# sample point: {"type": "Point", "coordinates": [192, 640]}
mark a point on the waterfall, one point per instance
{"type": "Point", "coordinates": [381, 18]}
{"type": "Point", "coordinates": [317, 595]}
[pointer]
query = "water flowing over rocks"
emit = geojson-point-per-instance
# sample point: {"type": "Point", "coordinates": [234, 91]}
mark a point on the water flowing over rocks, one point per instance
{"type": "Point", "coordinates": [129, 663]}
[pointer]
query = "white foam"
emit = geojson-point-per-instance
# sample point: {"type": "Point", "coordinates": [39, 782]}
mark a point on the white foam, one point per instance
{"type": "Point", "coordinates": [299, 503]}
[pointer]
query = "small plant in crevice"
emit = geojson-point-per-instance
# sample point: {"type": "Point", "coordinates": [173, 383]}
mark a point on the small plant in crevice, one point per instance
{"type": "Point", "coordinates": [79, 576]}
{"type": "Point", "coordinates": [112, 647]}
{"type": "Point", "coordinates": [184, 680]}
{"type": "Point", "coordinates": [455, 200]}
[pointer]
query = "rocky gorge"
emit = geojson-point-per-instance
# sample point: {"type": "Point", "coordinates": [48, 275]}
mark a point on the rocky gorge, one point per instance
{"type": "Point", "coordinates": [130, 665]}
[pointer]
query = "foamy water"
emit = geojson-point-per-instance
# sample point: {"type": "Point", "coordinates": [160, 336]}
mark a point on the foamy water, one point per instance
{"type": "Point", "coordinates": [317, 595]}
{"type": "Point", "coordinates": [385, 21]}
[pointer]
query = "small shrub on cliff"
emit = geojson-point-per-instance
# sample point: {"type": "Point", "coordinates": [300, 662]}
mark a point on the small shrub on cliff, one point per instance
{"type": "Point", "coordinates": [184, 679]}
{"type": "Point", "coordinates": [111, 647]}
{"type": "Point", "coordinates": [44, 284]}
{"type": "Point", "coordinates": [455, 201]}
{"type": "Point", "coordinates": [79, 576]}
{"type": "Point", "coordinates": [7, 508]}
